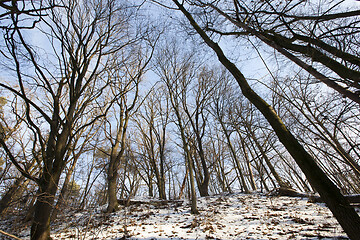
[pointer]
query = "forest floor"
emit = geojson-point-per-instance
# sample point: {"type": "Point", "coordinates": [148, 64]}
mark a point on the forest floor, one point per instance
{"type": "Point", "coordinates": [234, 216]}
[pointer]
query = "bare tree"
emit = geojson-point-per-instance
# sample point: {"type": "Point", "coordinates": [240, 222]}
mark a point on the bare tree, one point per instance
{"type": "Point", "coordinates": [340, 207]}
{"type": "Point", "coordinates": [319, 40]}
{"type": "Point", "coordinates": [25, 13]}
{"type": "Point", "coordinates": [220, 108]}
{"type": "Point", "coordinates": [78, 148]}
{"type": "Point", "coordinates": [125, 76]}
{"type": "Point", "coordinates": [329, 120]}
{"type": "Point", "coordinates": [80, 36]}
{"type": "Point", "coordinates": [176, 70]}
{"type": "Point", "coordinates": [152, 124]}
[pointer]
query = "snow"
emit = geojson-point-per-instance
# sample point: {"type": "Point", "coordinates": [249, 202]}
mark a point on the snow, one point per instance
{"type": "Point", "coordinates": [235, 216]}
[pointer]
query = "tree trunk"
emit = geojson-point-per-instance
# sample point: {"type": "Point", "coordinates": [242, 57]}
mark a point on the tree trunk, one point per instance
{"type": "Point", "coordinates": [259, 168]}
{"type": "Point", "coordinates": [15, 190]}
{"type": "Point", "coordinates": [182, 187]}
{"type": "Point", "coordinates": [151, 187]}
{"type": "Point", "coordinates": [339, 206]}
{"type": "Point", "coordinates": [251, 175]}
{"type": "Point", "coordinates": [40, 228]}
{"type": "Point", "coordinates": [234, 157]}
{"type": "Point", "coordinates": [194, 209]}
{"type": "Point", "coordinates": [222, 178]}
{"type": "Point", "coordinates": [335, 144]}
{"type": "Point", "coordinates": [116, 157]}
{"type": "Point", "coordinates": [112, 178]}
{"type": "Point", "coordinates": [162, 189]}
{"type": "Point", "coordinates": [204, 186]}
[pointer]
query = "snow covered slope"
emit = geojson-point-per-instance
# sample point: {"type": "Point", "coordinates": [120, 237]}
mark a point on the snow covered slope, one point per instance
{"type": "Point", "coordinates": [236, 216]}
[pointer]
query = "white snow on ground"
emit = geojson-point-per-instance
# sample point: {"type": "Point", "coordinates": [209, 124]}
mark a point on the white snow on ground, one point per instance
{"type": "Point", "coordinates": [236, 216]}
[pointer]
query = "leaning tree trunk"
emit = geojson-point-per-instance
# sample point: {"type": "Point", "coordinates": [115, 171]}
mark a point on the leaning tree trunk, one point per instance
{"type": "Point", "coordinates": [261, 166]}
{"type": "Point", "coordinates": [277, 177]}
{"type": "Point", "coordinates": [335, 201]}
{"type": "Point", "coordinates": [54, 164]}
{"type": "Point", "coordinates": [182, 187]}
{"type": "Point", "coordinates": [15, 190]}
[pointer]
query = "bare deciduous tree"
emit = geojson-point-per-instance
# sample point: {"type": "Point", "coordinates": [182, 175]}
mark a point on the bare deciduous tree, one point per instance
{"type": "Point", "coordinates": [66, 83]}
{"type": "Point", "coordinates": [340, 207]}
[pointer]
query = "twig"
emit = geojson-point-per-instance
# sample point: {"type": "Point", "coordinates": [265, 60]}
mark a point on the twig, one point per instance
{"type": "Point", "coordinates": [10, 235]}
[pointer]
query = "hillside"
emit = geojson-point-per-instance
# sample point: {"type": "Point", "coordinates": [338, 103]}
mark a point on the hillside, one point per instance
{"type": "Point", "coordinates": [235, 216]}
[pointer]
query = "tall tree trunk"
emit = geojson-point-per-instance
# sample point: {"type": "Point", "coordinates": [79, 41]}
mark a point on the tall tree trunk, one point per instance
{"type": "Point", "coordinates": [162, 189]}
{"type": "Point", "coordinates": [89, 185]}
{"type": "Point", "coordinates": [112, 177]}
{"type": "Point", "coordinates": [161, 141]}
{"type": "Point", "coordinates": [202, 177]}
{"type": "Point", "coordinates": [150, 186]}
{"type": "Point", "coordinates": [225, 186]}
{"type": "Point", "coordinates": [189, 164]}
{"type": "Point", "coordinates": [204, 185]}
{"type": "Point", "coordinates": [40, 228]}
{"type": "Point", "coordinates": [158, 170]}
{"type": "Point", "coordinates": [336, 202]}
{"type": "Point", "coordinates": [116, 156]}
{"type": "Point", "coordinates": [300, 179]}
{"type": "Point", "coordinates": [259, 168]}
{"type": "Point", "coordinates": [194, 209]}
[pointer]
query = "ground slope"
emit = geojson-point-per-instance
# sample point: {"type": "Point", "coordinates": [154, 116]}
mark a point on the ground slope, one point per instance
{"type": "Point", "coordinates": [235, 216]}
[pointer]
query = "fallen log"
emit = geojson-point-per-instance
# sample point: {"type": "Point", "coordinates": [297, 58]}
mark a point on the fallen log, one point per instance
{"type": "Point", "coordinates": [354, 199]}
{"type": "Point", "coordinates": [288, 192]}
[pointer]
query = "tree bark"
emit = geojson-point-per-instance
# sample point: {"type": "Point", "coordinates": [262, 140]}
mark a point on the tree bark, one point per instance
{"type": "Point", "coordinates": [112, 178]}
{"type": "Point", "coordinates": [40, 228]}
